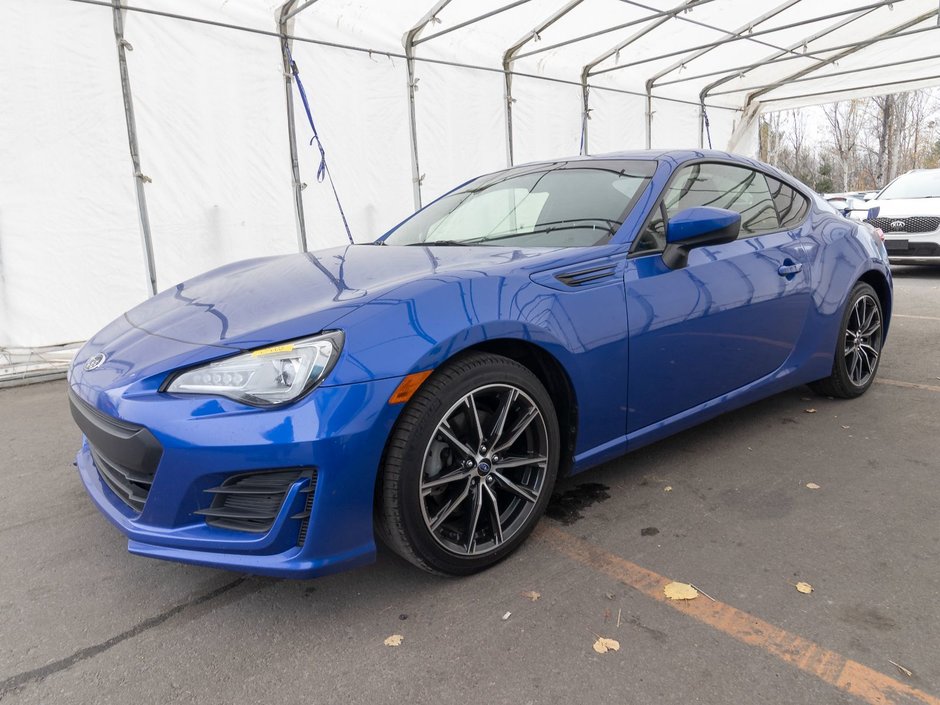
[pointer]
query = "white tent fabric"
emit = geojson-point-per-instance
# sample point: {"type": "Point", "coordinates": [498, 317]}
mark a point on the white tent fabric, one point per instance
{"type": "Point", "coordinates": [214, 130]}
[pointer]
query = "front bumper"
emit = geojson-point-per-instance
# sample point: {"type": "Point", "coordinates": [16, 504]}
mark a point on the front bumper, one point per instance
{"type": "Point", "coordinates": [913, 246]}
{"type": "Point", "coordinates": [196, 443]}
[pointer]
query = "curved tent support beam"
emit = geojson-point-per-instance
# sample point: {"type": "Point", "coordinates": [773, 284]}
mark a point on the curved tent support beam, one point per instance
{"type": "Point", "coordinates": [928, 81]}
{"type": "Point", "coordinates": [897, 30]}
{"type": "Point", "coordinates": [509, 56]}
{"type": "Point", "coordinates": [139, 178]}
{"type": "Point", "coordinates": [833, 74]}
{"type": "Point", "coordinates": [609, 30]}
{"type": "Point", "coordinates": [408, 41]}
{"type": "Point", "coordinates": [738, 38]}
{"type": "Point", "coordinates": [784, 53]}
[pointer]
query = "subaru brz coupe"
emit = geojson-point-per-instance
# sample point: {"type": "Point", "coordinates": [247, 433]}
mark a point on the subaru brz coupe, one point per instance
{"type": "Point", "coordinates": [275, 415]}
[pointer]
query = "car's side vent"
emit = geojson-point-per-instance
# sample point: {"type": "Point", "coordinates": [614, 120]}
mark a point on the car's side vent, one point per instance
{"type": "Point", "coordinates": [252, 501]}
{"type": "Point", "coordinates": [586, 276]}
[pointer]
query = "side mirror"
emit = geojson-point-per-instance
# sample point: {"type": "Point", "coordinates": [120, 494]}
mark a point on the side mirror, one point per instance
{"type": "Point", "coordinates": [696, 227]}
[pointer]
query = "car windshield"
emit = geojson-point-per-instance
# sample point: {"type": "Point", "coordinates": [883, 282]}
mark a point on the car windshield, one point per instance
{"type": "Point", "coordinates": [564, 204]}
{"type": "Point", "coordinates": [916, 184]}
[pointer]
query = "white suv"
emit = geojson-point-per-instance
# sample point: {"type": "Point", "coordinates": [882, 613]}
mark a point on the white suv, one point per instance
{"type": "Point", "coordinates": [908, 211]}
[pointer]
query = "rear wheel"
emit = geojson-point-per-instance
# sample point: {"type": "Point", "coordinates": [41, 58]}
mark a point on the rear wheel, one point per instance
{"type": "Point", "coordinates": [470, 465]}
{"type": "Point", "coordinates": [858, 349]}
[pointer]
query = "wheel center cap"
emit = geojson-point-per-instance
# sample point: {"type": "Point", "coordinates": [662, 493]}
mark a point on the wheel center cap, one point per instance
{"type": "Point", "coordinates": [483, 467]}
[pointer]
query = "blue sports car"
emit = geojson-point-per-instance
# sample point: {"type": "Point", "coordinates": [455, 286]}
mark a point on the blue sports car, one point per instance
{"type": "Point", "coordinates": [275, 415]}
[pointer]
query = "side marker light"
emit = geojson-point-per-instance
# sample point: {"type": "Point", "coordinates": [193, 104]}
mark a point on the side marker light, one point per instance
{"type": "Point", "coordinates": [408, 386]}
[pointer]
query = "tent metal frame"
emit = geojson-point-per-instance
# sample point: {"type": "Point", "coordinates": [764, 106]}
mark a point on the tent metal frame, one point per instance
{"type": "Point", "coordinates": [130, 119]}
{"type": "Point", "coordinates": [846, 72]}
{"type": "Point", "coordinates": [757, 96]}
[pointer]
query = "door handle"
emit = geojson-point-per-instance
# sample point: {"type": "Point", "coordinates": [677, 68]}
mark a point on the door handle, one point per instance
{"type": "Point", "coordinates": [789, 268]}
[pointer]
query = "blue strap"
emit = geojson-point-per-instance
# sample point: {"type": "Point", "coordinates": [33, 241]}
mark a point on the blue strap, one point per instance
{"type": "Point", "coordinates": [322, 169]}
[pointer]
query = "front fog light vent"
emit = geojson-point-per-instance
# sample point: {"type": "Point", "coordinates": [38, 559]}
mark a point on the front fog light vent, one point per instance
{"type": "Point", "coordinates": [252, 501]}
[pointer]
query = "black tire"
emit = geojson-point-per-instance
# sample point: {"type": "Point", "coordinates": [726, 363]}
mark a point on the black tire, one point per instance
{"type": "Point", "coordinates": [858, 347]}
{"type": "Point", "coordinates": [418, 446]}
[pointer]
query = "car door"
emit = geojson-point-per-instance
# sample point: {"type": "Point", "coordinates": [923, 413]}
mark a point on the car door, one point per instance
{"type": "Point", "coordinates": [733, 315]}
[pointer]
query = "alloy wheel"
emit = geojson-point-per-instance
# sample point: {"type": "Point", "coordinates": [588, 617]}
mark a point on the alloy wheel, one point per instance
{"type": "Point", "coordinates": [862, 340]}
{"type": "Point", "coordinates": [484, 469]}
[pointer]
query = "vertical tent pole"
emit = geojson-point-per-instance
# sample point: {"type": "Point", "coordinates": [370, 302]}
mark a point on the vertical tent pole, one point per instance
{"type": "Point", "coordinates": [588, 68]}
{"type": "Point", "coordinates": [139, 178]}
{"type": "Point", "coordinates": [409, 43]}
{"type": "Point", "coordinates": [509, 57]}
{"type": "Point", "coordinates": [285, 18]}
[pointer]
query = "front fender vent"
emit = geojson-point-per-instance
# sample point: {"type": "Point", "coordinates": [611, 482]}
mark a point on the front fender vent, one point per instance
{"type": "Point", "coordinates": [587, 276]}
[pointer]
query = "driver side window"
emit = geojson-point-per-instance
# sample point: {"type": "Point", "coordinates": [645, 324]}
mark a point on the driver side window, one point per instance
{"type": "Point", "coordinates": [717, 185]}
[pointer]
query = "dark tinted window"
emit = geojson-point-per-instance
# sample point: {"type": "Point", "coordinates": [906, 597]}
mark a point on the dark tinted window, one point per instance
{"type": "Point", "coordinates": [791, 206]}
{"type": "Point", "coordinates": [725, 186]}
{"type": "Point", "coordinates": [719, 186]}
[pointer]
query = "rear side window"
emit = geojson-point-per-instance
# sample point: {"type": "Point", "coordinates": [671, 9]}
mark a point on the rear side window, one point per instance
{"type": "Point", "coordinates": [791, 205]}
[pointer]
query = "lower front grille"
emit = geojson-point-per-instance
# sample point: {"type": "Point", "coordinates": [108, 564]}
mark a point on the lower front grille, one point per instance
{"type": "Point", "coordinates": [131, 486]}
{"type": "Point", "coordinates": [252, 501]}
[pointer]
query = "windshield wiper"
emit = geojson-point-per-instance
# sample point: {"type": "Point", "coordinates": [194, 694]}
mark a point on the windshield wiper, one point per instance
{"type": "Point", "coordinates": [538, 231]}
{"type": "Point", "coordinates": [442, 243]}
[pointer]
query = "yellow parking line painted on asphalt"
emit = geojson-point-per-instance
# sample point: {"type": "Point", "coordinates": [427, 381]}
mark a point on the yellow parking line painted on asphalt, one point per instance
{"type": "Point", "coordinates": [849, 676]}
{"type": "Point", "coordinates": [920, 318]}
{"type": "Point", "coordinates": [907, 385]}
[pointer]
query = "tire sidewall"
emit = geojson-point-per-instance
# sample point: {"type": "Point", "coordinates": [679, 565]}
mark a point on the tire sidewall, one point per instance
{"type": "Point", "coordinates": [502, 371]}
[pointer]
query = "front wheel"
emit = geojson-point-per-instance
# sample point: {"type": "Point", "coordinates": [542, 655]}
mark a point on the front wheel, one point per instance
{"type": "Point", "coordinates": [470, 465]}
{"type": "Point", "coordinates": [858, 349]}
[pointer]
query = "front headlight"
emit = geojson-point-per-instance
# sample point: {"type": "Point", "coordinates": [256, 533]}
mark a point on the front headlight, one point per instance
{"type": "Point", "coordinates": [265, 377]}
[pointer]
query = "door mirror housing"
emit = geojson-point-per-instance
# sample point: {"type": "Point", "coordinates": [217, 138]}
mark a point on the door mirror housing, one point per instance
{"type": "Point", "coordinates": [697, 227]}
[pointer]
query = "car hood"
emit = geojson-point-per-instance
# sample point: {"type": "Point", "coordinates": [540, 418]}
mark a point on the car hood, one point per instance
{"type": "Point", "coordinates": [257, 302]}
{"type": "Point", "coordinates": [906, 206]}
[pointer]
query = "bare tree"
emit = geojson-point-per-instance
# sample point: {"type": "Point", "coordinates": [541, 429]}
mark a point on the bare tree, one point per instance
{"type": "Point", "coordinates": [862, 143]}
{"type": "Point", "coordinates": [845, 124]}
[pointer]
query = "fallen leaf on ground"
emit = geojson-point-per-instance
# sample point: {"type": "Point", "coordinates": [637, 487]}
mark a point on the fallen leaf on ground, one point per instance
{"type": "Point", "coordinates": [394, 640]}
{"type": "Point", "coordinates": [805, 588]}
{"type": "Point", "coordinates": [809, 411]}
{"type": "Point", "coordinates": [532, 595]}
{"type": "Point", "coordinates": [812, 485]}
{"type": "Point", "coordinates": [680, 591]}
{"type": "Point", "coordinates": [603, 645]}
{"type": "Point", "coordinates": [906, 671]}
{"type": "Point", "coordinates": [667, 488]}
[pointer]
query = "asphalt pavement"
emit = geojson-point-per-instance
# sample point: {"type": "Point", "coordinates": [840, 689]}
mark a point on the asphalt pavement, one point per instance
{"type": "Point", "coordinates": [724, 506]}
